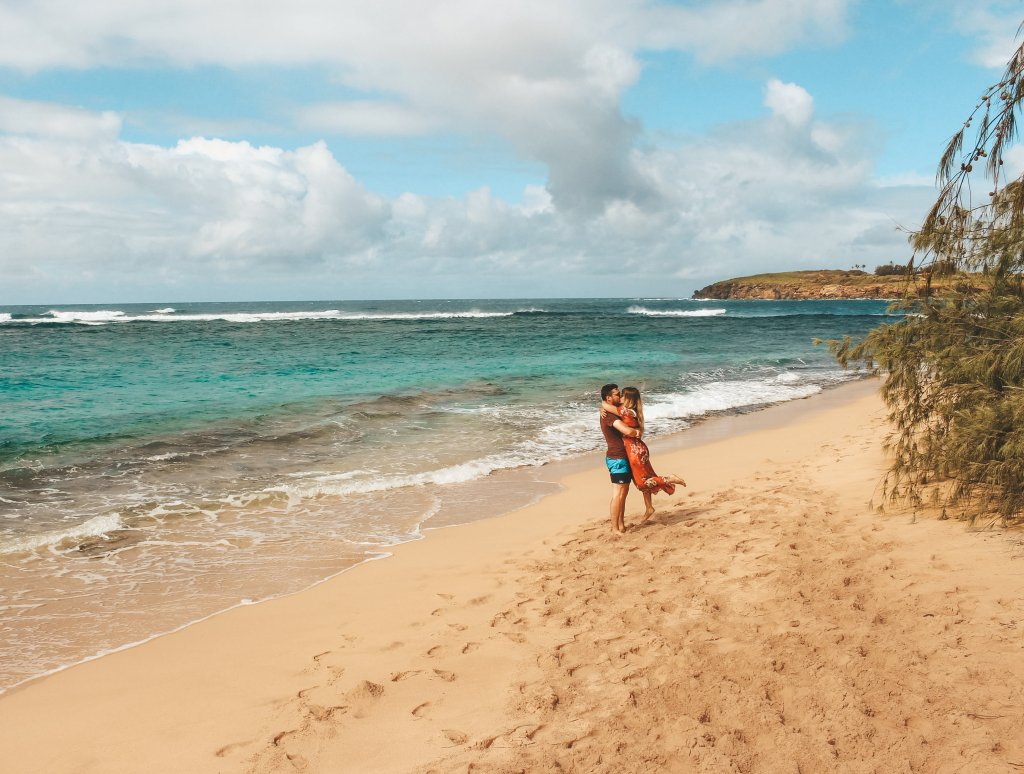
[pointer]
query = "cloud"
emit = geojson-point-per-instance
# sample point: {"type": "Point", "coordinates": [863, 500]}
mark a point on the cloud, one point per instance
{"type": "Point", "coordinates": [995, 25]}
{"type": "Point", "coordinates": [725, 31]}
{"type": "Point", "coordinates": [789, 101]}
{"type": "Point", "coordinates": [368, 118]}
{"type": "Point", "coordinates": [103, 212]}
{"type": "Point", "coordinates": [45, 119]}
{"type": "Point", "coordinates": [201, 206]}
{"type": "Point", "coordinates": [546, 75]}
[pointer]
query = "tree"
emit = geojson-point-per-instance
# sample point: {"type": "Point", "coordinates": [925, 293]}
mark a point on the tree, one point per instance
{"type": "Point", "coordinates": [954, 365]}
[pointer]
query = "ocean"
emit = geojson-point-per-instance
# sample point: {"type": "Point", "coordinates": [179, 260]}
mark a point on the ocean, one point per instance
{"type": "Point", "coordinates": [162, 463]}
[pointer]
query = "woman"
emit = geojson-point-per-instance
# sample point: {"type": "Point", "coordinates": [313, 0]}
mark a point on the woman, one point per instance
{"type": "Point", "coordinates": [631, 412]}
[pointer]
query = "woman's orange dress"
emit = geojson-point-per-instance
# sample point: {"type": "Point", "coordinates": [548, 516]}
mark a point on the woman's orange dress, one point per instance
{"type": "Point", "coordinates": [640, 459]}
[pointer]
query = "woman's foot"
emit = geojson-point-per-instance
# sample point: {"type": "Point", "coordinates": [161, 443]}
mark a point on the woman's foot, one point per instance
{"type": "Point", "coordinates": [647, 515]}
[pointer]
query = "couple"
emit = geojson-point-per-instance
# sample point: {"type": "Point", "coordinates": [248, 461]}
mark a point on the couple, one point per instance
{"type": "Point", "coordinates": [628, 458]}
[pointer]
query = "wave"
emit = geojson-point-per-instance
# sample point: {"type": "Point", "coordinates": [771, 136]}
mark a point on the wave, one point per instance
{"type": "Point", "coordinates": [106, 316]}
{"type": "Point", "coordinates": [570, 433]}
{"type": "Point", "coordinates": [675, 312]}
{"type": "Point", "coordinates": [716, 397]}
{"type": "Point", "coordinates": [94, 527]}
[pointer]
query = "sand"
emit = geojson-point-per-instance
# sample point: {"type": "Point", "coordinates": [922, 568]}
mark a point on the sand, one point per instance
{"type": "Point", "coordinates": [767, 620]}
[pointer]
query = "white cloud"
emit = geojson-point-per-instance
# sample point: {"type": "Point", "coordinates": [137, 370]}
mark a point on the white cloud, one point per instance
{"type": "Point", "coordinates": [547, 75]}
{"type": "Point", "coordinates": [369, 118]}
{"type": "Point", "coordinates": [723, 31]}
{"type": "Point", "coordinates": [759, 194]}
{"type": "Point", "coordinates": [994, 24]}
{"type": "Point", "coordinates": [789, 101]}
{"type": "Point", "coordinates": [45, 119]}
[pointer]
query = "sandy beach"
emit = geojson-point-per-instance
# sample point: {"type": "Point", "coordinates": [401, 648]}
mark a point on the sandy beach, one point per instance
{"type": "Point", "coordinates": [766, 620]}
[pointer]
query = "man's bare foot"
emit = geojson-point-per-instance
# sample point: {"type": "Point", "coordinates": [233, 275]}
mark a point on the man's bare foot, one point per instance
{"type": "Point", "coordinates": [647, 515]}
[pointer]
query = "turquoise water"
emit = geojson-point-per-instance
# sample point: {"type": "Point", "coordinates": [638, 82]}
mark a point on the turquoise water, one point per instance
{"type": "Point", "coordinates": [246, 450]}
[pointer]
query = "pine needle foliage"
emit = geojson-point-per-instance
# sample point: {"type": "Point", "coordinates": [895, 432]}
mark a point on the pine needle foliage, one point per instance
{"type": "Point", "coordinates": [954, 365]}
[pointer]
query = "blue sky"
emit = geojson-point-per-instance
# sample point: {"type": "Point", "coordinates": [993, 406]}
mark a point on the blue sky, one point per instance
{"type": "Point", "coordinates": [174, 151]}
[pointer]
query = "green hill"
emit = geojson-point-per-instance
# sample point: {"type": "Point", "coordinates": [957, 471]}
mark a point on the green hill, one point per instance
{"type": "Point", "coordinates": [829, 284]}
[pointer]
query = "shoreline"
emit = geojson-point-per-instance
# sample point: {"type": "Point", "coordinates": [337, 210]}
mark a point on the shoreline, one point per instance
{"type": "Point", "coordinates": [545, 479]}
{"type": "Point", "coordinates": [432, 645]}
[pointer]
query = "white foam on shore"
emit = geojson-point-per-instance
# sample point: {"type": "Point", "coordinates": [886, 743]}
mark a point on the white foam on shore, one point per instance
{"type": "Point", "coordinates": [726, 396]}
{"type": "Point", "coordinates": [570, 433]}
{"type": "Point", "coordinates": [642, 310]}
{"type": "Point", "coordinates": [169, 314]}
{"type": "Point", "coordinates": [94, 527]}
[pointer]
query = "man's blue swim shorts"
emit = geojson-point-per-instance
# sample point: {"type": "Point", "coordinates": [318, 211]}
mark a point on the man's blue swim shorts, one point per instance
{"type": "Point", "coordinates": [619, 470]}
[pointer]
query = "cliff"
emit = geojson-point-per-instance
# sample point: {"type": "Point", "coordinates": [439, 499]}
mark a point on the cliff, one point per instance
{"type": "Point", "coordinates": [827, 284]}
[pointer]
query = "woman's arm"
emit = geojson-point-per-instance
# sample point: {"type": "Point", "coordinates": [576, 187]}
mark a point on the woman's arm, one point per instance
{"type": "Point", "coordinates": [622, 427]}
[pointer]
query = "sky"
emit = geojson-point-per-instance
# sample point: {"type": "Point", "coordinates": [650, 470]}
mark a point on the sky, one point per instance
{"type": "Point", "coordinates": [181, 150]}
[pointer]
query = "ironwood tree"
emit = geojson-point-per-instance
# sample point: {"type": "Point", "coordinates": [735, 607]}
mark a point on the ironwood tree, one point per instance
{"type": "Point", "coordinates": [954, 364]}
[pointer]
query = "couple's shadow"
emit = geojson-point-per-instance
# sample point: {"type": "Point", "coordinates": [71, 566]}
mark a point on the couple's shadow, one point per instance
{"type": "Point", "coordinates": [670, 518]}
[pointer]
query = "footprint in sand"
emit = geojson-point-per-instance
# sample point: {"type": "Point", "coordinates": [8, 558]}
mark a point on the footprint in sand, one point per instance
{"type": "Point", "coordinates": [435, 651]}
{"type": "Point", "coordinates": [397, 677]}
{"type": "Point", "coordinates": [469, 647]}
{"type": "Point", "coordinates": [454, 736]}
{"type": "Point", "coordinates": [363, 697]}
{"type": "Point", "coordinates": [420, 710]}
{"type": "Point", "coordinates": [444, 674]}
{"type": "Point", "coordinates": [228, 749]}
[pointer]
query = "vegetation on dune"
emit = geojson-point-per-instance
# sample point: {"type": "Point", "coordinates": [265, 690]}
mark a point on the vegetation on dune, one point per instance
{"type": "Point", "coordinates": [954, 367]}
{"type": "Point", "coordinates": [888, 281]}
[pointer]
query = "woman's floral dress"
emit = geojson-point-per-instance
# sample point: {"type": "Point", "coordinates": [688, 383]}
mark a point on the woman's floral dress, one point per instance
{"type": "Point", "coordinates": [640, 459]}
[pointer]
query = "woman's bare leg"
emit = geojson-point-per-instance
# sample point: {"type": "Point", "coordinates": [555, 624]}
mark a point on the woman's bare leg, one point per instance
{"type": "Point", "coordinates": [674, 479]}
{"type": "Point", "coordinates": [648, 506]}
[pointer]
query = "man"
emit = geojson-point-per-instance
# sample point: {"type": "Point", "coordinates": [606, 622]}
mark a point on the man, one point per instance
{"type": "Point", "coordinates": [613, 429]}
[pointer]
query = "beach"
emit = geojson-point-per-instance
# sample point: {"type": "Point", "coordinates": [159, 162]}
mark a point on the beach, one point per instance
{"type": "Point", "coordinates": [767, 619]}
{"type": "Point", "coordinates": [162, 464]}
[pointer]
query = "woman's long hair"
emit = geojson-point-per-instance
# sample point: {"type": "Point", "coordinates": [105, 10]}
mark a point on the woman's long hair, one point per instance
{"type": "Point", "coordinates": [631, 400]}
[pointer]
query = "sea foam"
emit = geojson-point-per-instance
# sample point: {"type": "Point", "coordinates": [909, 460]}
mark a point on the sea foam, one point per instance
{"type": "Point", "coordinates": [94, 527]}
{"type": "Point", "coordinates": [675, 312]}
{"type": "Point", "coordinates": [169, 314]}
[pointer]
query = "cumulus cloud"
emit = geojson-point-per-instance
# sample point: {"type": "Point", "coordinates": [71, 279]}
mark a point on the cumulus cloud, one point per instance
{"type": "Point", "coordinates": [203, 205]}
{"type": "Point", "coordinates": [789, 101]}
{"type": "Point", "coordinates": [45, 119]}
{"type": "Point", "coordinates": [764, 192]}
{"type": "Point", "coordinates": [789, 188]}
{"type": "Point", "coordinates": [547, 75]}
{"type": "Point", "coordinates": [724, 31]}
{"type": "Point", "coordinates": [994, 24]}
{"type": "Point", "coordinates": [368, 118]}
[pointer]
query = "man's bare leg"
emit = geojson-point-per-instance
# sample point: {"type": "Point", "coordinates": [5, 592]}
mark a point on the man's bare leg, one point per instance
{"type": "Point", "coordinates": [617, 507]}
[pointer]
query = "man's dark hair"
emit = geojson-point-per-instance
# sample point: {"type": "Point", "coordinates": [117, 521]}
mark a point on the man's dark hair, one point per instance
{"type": "Point", "coordinates": [607, 390]}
